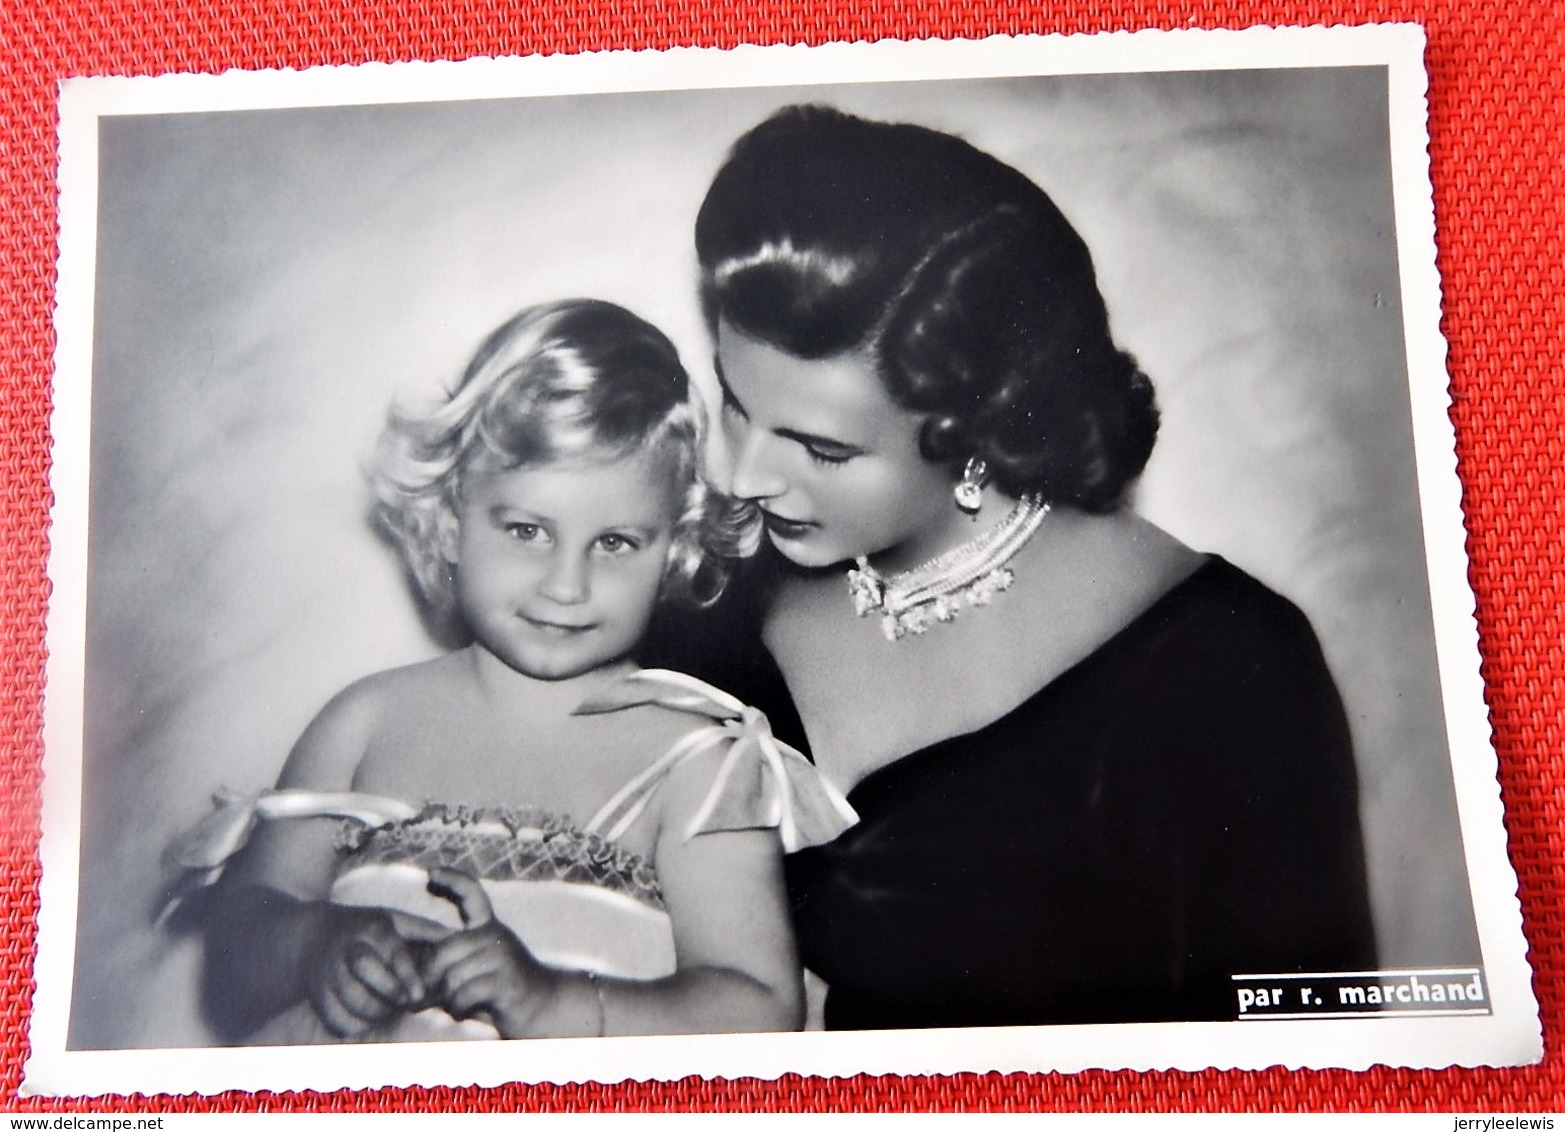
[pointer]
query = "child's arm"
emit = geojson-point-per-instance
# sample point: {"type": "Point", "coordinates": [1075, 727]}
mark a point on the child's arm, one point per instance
{"type": "Point", "coordinates": [273, 940]}
{"type": "Point", "coordinates": [738, 969]}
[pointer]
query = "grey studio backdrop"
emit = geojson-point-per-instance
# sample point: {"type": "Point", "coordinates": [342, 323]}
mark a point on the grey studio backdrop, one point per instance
{"type": "Point", "coordinates": [268, 281]}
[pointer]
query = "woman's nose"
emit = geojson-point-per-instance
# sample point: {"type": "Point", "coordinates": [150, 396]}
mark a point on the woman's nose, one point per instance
{"type": "Point", "coordinates": [754, 473]}
{"type": "Point", "coordinates": [567, 580]}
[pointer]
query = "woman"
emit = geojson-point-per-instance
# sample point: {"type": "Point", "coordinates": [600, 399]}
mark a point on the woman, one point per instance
{"type": "Point", "coordinates": [1098, 773]}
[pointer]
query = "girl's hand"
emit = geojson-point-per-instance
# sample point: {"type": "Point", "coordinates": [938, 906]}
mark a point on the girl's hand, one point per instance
{"type": "Point", "coordinates": [363, 972]}
{"type": "Point", "coordinates": [485, 970]}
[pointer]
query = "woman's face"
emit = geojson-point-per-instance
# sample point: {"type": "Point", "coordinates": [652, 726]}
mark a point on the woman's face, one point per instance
{"type": "Point", "coordinates": [830, 459]}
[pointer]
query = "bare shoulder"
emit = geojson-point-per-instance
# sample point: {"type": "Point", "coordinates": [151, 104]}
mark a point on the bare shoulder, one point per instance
{"type": "Point", "coordinates": [1151, 550]}
{"type": "Point", "coordinates": [648, 731]}
{"type": "Point", "coordinates": [439, 676]}
{"type": "Point", "coordinates": [328, 754]}
{"type": "Point", "coordinates": [1116, 563]}
{"type": "Point", "coordinates": [618, 746]}
{"type": "Point", "coordinates": [1080, 582]}
{"type": "Point", "coordinates": [691, 782]}
{"type": "Point", "coordinates": [709, 762]}
{"type": "Point", "coordinates": [370, 700]}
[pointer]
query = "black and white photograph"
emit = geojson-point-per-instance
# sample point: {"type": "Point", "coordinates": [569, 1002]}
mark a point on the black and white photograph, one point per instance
{"type": "Point", "coordinates": [877, 558]}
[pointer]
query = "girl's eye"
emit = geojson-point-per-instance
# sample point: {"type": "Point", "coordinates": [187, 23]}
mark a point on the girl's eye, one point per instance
{"type": "Point", "coordinates": [524, 532]}
{"type": "Point", "coordinates": [618, 544]}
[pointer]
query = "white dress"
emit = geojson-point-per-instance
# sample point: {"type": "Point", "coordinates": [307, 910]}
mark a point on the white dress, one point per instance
{"type": "Point", "coordinates": [576, 898]}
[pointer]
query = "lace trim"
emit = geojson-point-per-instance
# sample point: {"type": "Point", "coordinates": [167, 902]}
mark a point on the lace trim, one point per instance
{"type": "Point", "coordinates": [501, 843]}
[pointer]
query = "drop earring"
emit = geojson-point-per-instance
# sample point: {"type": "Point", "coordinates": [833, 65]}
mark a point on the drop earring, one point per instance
{"type": "Point", "coordinates": [969, 489]}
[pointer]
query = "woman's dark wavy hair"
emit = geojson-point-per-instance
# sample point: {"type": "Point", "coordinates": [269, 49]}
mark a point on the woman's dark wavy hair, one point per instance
{"type": "Point", "coordinates": [825, 233]}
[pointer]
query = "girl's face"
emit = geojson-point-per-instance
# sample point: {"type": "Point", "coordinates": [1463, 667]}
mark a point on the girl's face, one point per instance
{"type": "Point", "coordinates": [830, 459]}
{"type": "Point", "coordinates": [558, 567]}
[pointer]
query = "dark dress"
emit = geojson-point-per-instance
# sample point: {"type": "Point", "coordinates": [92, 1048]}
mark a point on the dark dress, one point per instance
{"type": "Point", "coordinates": [1179, 807]}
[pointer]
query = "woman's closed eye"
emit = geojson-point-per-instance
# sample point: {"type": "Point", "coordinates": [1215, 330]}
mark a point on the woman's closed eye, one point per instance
{"type": "Point", "coordinates": [829, 457]}
{"type": "Point", "coordinates": [826, 451]}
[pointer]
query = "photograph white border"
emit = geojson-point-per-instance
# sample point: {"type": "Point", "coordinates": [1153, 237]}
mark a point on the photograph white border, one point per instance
{"type": "Point", "coordinates": [1511, 1035]}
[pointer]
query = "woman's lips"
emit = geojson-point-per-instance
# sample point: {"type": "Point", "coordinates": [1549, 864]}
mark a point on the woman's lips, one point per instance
{"type": "Point", "coordinates": [786, 528]}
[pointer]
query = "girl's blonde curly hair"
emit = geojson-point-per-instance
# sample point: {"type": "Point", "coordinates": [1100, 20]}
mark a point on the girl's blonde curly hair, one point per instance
{"type": "Point", "coordinates": [577, 379]}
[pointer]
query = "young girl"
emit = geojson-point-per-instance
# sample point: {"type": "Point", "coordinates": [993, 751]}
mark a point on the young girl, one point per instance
{"type": "Point", "coordinates": [543, 510]}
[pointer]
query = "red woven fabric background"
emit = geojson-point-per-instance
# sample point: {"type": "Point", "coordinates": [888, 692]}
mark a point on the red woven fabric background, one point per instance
{"type": "Point", "coordinates": [1497, 77]}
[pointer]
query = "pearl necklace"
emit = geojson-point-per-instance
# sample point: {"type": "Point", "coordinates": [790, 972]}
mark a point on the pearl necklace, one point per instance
{"type": "Point", "coordinates": [969, 575]}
